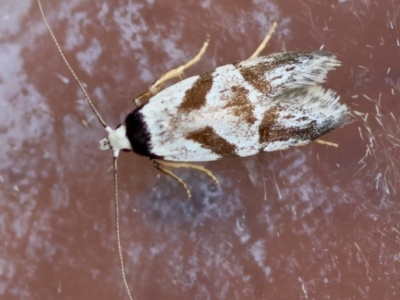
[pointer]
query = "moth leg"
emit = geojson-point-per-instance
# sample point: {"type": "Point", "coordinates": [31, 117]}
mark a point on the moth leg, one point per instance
{"type": "Point", "coordinates": [264, 42]}
{"type": "Point", "coordinates": [157, 164]}
{"type": "Point", "coordinates": [192, 166]}
{"type": "Point", "coordinates": [138, 100]}
{"type": "Point", "coordinates": [177, 72]}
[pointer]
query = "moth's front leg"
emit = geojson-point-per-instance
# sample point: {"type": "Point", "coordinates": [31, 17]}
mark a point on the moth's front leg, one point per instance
{"type": "Point", "coordinates": [174, 73]}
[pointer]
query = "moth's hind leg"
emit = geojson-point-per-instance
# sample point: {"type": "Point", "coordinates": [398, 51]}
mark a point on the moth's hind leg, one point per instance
{"type": "Point", "coordinates": [160, 165]}
{"type": "Point", "coordinates": [264, 42]}
{"type": "Point", "coordinates": [174, 73]}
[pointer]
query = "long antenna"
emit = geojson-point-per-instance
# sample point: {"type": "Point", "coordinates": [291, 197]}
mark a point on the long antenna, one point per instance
{"type": "Point", "coordinates": [121, 259]}
{"type": "Point", "coordinates": [114, 157]}
{"type": "Point", "coordinates": [70, 69]}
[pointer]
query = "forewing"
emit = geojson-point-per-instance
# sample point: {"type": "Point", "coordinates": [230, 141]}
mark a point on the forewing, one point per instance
{"type": "Point", "coordinates": [263, 104]}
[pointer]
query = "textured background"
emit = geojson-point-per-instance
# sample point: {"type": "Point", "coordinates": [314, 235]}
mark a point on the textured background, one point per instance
{"type": "Point", "coordinates": [314, 222]}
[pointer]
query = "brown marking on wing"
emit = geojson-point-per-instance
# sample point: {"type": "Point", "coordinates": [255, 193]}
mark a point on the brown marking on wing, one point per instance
{"type": "Point", "coordinates": [240, 105]}
{"type": "Point", "coordinates": [255, 75]}
{"type": "Point", "coordinates": [209, 139]}
{"type": "Point", "coordinates": [195, 97]}
{"type": "Point", "coordinates": [270, 131]}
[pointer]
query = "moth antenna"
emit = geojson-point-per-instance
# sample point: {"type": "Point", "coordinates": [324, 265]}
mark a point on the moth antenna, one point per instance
{"type": "Point", "coordinates": [70, 69]}
{"type": "Point", "coordinates": [114, 157]}
{"type": "Point", "coordinates": [121, 259]}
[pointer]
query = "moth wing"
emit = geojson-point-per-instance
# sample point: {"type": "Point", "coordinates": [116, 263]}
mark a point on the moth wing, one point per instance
{"type": "Point", "coordinates": [300, 116]}
{"type": "Point", "coordinates": [278, 73]}
{"type": "Point", "coordinates": [263, 104]}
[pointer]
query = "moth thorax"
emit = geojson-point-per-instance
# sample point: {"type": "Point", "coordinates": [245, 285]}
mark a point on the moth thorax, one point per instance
{"type": "Point", "coordinates": [116, 140]}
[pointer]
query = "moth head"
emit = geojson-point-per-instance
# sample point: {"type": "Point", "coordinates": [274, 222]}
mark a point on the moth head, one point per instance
{"type": "Point", "coordinates": [116, 141]}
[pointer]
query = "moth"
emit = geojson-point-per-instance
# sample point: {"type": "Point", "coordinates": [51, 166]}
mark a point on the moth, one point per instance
{"type": "Point", "coordinates": [262, 103]}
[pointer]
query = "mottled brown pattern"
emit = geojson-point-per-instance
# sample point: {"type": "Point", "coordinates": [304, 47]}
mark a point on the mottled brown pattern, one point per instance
{"type": "Point", "coordinates": [195, 97]}
{"type": "Point", "coordinates": [255, 75]}
{"type": "Point", "coordinates": [211, 140]}
{"type": "Point", "coordinates": [240, 105]}
{"type": "Point", "coordinates": [270, 131]}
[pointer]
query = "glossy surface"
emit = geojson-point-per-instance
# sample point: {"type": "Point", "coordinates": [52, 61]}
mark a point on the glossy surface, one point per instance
{"type": "Point", "coordinates": [314, 222]}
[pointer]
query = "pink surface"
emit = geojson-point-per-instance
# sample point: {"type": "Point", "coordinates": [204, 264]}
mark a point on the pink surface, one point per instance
{"type": "Point", "coordinates": [314, 222]}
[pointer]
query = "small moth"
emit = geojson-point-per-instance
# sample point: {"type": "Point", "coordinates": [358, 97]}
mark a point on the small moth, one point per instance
{"type": "Point", "coordinates": [262, 103]}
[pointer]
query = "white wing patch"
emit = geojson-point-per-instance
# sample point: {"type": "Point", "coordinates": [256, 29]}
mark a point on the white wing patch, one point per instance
{"type": "Point", "coordinates": [263, 104]}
